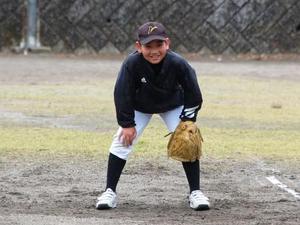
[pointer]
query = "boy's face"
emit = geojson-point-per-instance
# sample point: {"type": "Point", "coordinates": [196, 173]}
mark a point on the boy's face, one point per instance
{"type": "Point", "coordinates": [154, 51]}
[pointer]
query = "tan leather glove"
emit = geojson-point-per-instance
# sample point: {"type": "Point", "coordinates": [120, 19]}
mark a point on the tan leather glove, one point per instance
{"type": "Point", "coordinates": [185, 144]}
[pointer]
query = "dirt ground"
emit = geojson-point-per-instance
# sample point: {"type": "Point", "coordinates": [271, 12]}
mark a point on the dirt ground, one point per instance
{"type": "Point", "coordinates": [63, 190]}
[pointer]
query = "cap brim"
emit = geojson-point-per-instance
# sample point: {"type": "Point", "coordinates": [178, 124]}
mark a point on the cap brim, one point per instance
{"type": "Point", "coordinates": [152, 38]}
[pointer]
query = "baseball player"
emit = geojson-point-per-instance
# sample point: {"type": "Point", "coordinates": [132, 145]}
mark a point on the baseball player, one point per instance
{"type": "Point", "coordinates": [152, 80]}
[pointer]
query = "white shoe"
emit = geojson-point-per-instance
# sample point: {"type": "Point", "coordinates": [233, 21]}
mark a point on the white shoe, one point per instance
{"type": "Point", "coordinates": [107, 200]}
{"type": "Point", "coordinates": [198, 200]}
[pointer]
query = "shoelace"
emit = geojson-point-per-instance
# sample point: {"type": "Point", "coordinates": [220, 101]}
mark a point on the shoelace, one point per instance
{"type": "Point", "coordinates": [198, 195]}
{"type": "Point", "coordinates": [107, 195]}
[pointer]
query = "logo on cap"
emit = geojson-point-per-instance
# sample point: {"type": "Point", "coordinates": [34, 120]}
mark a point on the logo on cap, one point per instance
{"type": "Point", "coordinates": [151, 29]}
{"type": "Point", "coordinates": [143, 80]}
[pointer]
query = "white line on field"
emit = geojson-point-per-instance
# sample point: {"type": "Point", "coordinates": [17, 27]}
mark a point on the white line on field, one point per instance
{"type": "Point", "coordinates": [276, 182]}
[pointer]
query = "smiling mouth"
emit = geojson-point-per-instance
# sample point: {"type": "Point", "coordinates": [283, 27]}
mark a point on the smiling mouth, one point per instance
{"type": "Point", "coordinates": [155, 57]}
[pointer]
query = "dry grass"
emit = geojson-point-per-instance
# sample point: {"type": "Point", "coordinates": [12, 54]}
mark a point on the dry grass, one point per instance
{"type": "Point", "coordinates": [241, 117]}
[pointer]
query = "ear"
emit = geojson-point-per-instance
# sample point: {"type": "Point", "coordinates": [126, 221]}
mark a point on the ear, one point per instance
{"type": "Point", "coordinates": [168, 42]}
{"type": "Point", "coordinates": [138, 46]}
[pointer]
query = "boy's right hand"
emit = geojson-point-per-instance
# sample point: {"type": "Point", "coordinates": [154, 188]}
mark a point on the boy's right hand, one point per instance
{"type": "Point", "coordinates": [127, 135]}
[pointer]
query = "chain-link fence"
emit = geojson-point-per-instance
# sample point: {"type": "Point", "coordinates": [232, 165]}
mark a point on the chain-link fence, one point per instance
{"type": "Point", "coordinates": [205, 26]}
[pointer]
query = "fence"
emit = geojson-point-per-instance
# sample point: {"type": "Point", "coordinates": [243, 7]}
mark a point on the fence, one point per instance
{"type": "Point", "coordinates": [200, 26]}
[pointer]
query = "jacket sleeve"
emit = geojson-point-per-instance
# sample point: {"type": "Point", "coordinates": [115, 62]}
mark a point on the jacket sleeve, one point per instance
{"type": "Point", "coordinates": [192, 93]}
{"type": "Point", "coordinates": [124, 96]}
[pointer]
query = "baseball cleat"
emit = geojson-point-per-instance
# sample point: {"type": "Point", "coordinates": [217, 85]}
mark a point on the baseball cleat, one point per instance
{"type": "Point", "coordinates": [107, 200]}
{"type": "Point", "coordinates": [198, 201]}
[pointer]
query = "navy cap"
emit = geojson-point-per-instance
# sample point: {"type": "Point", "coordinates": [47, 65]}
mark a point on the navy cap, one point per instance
{"type": "Point", "coordinates": [151, 31]}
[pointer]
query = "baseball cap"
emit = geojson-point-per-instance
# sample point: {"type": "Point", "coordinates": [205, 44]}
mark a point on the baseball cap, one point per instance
{"type": "Point", "coordinates": [151, 31]}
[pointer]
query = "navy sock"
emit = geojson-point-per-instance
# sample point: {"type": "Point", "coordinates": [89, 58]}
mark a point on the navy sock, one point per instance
{"type": "Point", "coordinates": [114, 170]}
{"type": "Point", "coordinates": [192, 171]}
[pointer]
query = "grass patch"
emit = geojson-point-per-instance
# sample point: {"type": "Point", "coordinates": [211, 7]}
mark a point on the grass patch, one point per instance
{"type": "Point", "coordinates": [58, 100]}
{"type": "Point", "coordinates": [36, 140]}
{"type": "Point", "coordinates": [251, 99]}
{"type": "Point", "coordinates": [221, 143]}
{"type": "Point", "coordinates": [238, 118]}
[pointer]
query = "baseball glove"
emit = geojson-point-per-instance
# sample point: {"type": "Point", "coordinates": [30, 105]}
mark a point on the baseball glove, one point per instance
{"type": "Point", "coordinates": [185, 144]}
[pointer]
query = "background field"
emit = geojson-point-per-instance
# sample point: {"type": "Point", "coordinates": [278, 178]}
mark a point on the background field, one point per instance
{"type": "Point", "coordinates": [57, 120]}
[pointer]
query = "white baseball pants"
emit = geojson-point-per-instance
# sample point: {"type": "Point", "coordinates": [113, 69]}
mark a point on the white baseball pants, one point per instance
{"type": "Point", "coordinates": [171, 119]}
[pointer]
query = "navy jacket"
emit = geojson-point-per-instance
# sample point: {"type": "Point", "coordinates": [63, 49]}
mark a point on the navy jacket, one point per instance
{"type": "Point", "coordinates": [139, 88]}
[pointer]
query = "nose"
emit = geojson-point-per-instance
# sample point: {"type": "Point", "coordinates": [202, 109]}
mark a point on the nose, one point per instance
{"type": "Point", "coordinates": [154, 51]}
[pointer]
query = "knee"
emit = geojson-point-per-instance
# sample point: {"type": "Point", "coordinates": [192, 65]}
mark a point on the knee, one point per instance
{"type": "Point", "coordinates": [121, 152]}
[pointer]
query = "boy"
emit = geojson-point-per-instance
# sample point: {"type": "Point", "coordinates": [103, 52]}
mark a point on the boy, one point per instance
{"type": "Point", "coordinates": [152, 80]}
